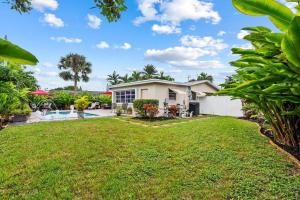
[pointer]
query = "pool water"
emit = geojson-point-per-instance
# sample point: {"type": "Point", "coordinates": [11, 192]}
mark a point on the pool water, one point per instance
{"type": "Point", "coordinates": [53, 115]}
{"type": "Point", "coordinates": [68, 113]}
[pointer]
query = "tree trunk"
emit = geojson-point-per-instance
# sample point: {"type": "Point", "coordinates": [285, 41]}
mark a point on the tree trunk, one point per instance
{"type": "Point", "coordinates": [75, 85]}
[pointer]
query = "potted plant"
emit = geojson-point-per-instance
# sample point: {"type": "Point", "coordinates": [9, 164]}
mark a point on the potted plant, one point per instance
{"type": "Point", "coordinates": [129, 111]}
{"type": "Point", "coordinates": [81, 104]}
{"type": "Point", "coordinates": [21, 114]}
{"type": "Point", "coordinates": [119, 111]}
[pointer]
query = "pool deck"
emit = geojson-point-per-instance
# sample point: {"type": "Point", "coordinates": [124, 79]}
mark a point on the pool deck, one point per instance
{"type": "Point", "coordinates": [35, 117]}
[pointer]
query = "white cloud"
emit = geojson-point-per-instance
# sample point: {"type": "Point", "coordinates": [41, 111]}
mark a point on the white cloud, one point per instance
{"type": "Point", "coordinates": [125, 46]}
{"type": "Point", "coordinates": [102, 45]}
{"type": "Point", "coordinates": [244, 46]}
{"type": "Point", "coordinates": [165, 29]}
{"type": "Point", "coordinates": [48, 64]}
{"type": "Point", "coordinates": [208, 43]}
{"type": "Point", "coordinates": [42, 5]}
{"type": "Point", "coordinates": [53, 21]}
{"type": "Point", "coordinates": [242, 34]}
{"type": "Point", "coordinates": [66, 40]}
{"type": "Point", "coordinates": [221, 33]}
{"type": "Point", "coordinates": [183, 57]}
{"type": "Point", "coordinates": [93, 21]}
{"type": "Point", "coordinates": [176, 11]}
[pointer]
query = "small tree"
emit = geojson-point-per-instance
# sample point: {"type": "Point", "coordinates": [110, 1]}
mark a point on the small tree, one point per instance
{"type": "Point", "coordinates": [205, 76]}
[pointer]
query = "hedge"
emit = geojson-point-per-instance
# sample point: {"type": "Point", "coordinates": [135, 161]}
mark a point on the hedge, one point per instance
{"type": "Point", "coordinates": [138, 105]}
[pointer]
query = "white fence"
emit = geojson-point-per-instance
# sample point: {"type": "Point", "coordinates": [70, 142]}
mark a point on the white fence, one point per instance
{"type": "Point", "coordinates": [221, 105]}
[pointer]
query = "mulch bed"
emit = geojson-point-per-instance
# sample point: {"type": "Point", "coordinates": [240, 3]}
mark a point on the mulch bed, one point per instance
{"type": "Point", "coordinates": [286, 148]}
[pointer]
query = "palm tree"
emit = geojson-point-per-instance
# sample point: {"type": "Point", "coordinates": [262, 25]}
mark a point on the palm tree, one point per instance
{"type": "Point", "coordinates": [149, 71]}
{"type": "Point", "coordinates": [162, 76]}
{"type": "Point", "coordinates": [125, 78]}
{"type": "Point", "coordinates": [76, 68]}
{"type": "Point", "coordinates": [114, 78]}
{"type": "Point", "coordinates": [136, 76]}
{"type": "Point", "coordinates": [205, 76]}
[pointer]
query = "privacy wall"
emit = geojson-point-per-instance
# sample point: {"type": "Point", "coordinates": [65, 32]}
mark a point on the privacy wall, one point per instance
{"type": "Point", "coordinates": [221, 105]}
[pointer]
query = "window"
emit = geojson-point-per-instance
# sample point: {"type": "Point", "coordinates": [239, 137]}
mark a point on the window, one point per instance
{"type": "Point", "coordinates": [125, 96]}
{"type": "Point", "coordinates": [172, 95]}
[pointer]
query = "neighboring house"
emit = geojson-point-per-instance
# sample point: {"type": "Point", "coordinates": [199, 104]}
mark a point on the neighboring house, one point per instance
{"type": "Point", "coordinates": [173, 93]}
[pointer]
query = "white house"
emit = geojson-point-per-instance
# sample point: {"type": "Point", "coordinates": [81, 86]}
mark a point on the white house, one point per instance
{"type": "Point", "coordinates": [173, 93]}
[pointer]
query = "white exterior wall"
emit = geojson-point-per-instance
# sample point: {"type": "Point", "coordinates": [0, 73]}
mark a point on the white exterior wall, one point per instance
{"type": "Point", "coordinates": [221, 105]}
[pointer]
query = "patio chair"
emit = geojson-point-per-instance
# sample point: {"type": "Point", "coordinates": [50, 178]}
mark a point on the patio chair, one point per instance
{"type": "Point", "coordinates": [97, 105]}
{"type": "Point", "coordinates": [93, 106]}
{"type": "Point", "coordinates": [33, 107]}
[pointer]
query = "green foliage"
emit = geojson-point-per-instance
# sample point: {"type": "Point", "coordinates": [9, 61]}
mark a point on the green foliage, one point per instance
{"type": "Point", "coordinates": [63, 100]}
{"type": "Point", "coordinates": [91, 97]}
{"type": "Point", "coordinates": [14, 88]}
{"type": "Point", "coordinates": [111, 9]}
{"type": "Point", "coordinates": [205, 76]}
{"type": "Point", "coordinates": [82, 103]}
{"type": "Point", "coordinates": [268, 75]}
{"type": "Point", "coordinates": [138, 105]}
{"type": "Point", "coordinates": [105, 99]}
{"type": "Point", "coordinates": [24, 110]}
{"type": "Point", "coordinates": [278, 13]}
{"type": "Point", "coordinates": [22, 6]}
{"type": "Point", "coordinates": [37, 99]}
{"type": "Point", "coordinates": [15, 54]}
{"type": "Point", "coordinates": [76, 68]}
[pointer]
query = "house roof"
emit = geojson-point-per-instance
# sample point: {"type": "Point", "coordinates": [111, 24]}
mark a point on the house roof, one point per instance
{"type": "Point", "coordinates": [149, 81]}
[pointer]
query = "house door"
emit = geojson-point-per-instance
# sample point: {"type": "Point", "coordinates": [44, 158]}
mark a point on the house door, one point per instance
{"type": "Point", "coordinates": [144, 94]}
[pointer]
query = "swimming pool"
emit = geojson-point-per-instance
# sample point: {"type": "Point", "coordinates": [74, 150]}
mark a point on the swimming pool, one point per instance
{"type": "Point", "coordinates": [61, 115]}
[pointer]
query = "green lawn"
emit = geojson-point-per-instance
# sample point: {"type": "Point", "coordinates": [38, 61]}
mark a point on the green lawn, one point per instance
{"type": "Point", "coordinates": [209, 158]}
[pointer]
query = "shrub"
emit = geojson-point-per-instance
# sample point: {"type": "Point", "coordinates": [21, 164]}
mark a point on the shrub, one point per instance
{"type": "Point", "coordinates": [105, 99]}
{"type": "Point", "coordinates": [24, 110]}
{"type": "Point", "coordinates": [173, 110]}
{"type": "Point", "coordinates": [129, 110]}
{"type": "Point", "coordinates": [82, 103]}
{"type": "Point", "coordinates": [138, 105]}
{"type": "Point", "coordinates": [151, 110]}
{"type": "Point", "coordinates": [63, 100]}
{"type": "Point", "coordinates": [91, 97]}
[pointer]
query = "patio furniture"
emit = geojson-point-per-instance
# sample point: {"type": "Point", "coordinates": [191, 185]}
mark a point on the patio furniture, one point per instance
{"type": "Point", "coordinates": [113, 107]}
{"type": "Point", "coordinates": [34, 107]}
{"type": "Point", "coordinates": [97, 105]}
{"type": "Point", "coordinates": [93, 106]}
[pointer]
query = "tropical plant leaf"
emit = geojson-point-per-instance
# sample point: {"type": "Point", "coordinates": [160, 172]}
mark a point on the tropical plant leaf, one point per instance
{"type": "Point", "coordinates": [291, 43]}
{"type": "Point", "coordinates": [15, 54]}
{"type": "Point", "coordinates": [279, 14]}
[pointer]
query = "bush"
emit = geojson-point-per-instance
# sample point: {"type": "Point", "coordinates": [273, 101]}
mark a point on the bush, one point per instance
{"type": "Point", "coordinates": [82, 103]}
{"type": "Point", "coordinates": [63, 100]}
{"type": "Point", "coordinates": [25, 110]}
{"type": "Point", "coordinates": [173, 110]}
{"type": "Point", "coordinates": [105, 99]}
{"type": "Point", "coordinates": [138, 105]}
{"type": "Point", "coordinates": [151, 110]}
{"type": "Point", "coordinates": [91, 97]}
{"type": "Point", "coordinates": [37, 100]}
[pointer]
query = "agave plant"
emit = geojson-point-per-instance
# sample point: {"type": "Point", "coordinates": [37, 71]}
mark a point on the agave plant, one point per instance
{"type": "Point", "coordinates": [269, 74]}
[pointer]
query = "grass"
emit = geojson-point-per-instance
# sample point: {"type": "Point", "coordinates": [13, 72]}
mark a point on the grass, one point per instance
{"type": "Point", "coordinates": [209, 158]}
{"type": "Point", "coordinates": [164, 121]}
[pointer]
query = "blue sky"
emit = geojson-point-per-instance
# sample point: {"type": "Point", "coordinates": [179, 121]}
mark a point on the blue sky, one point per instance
{"type": "Point", "coordinates": [181, 37]}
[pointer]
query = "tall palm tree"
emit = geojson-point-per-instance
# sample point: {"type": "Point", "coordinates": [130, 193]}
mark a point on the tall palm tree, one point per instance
{"type": "Point", "coordinates": [149, 72]}
{"type": "Point", "coordinates": [114, 78]}
{"type": "Point", "coordinates": [205, 76]}
{"type": "Point", "coordinates": [136, 76]}
{"type": "Point", "coordinates": [125, 78]}
{"type": "Point", "coordinates": [76, 68]}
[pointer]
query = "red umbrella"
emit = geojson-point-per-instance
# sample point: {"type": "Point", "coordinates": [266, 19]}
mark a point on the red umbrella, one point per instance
{"type": "Point", "coordinates": [40, 93]}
